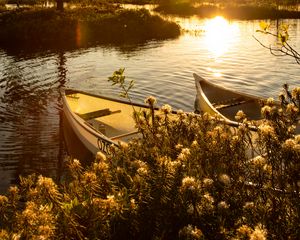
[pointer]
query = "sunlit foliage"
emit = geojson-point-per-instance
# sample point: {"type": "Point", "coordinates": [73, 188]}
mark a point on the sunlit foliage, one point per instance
{"type": "Point", "coordinates": [281, 45]}
{"type": "Point", "coordinates": [189, 177]}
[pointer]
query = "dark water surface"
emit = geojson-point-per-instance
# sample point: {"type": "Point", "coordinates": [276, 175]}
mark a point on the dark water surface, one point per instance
{"type": "Point", "coordinates": [31, 133]}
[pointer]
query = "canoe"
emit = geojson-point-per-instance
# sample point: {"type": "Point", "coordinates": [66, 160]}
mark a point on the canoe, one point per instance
{"type": "Point", "coordinates": [224, 103]}
{"type": "Point", "coordinates": [99, 121]}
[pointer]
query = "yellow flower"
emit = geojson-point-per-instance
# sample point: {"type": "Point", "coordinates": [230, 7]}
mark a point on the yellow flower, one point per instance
{"type": "Point", "coordinates": [266, 130]}
{"type": "Point", "coordinates": [3, 200]}
{"type": "Point", "coordinates": [291, 108]}
{"type": "Point", "coordinates": [267, 168]}
{"type": "Point", "coordinates": [259, 161]}
{"type": "Point", "coordinates": [244, 231]}
{"type": "Point", "coordinates": [266, 110]}
{"type": "Point", "coordinates": [289, 143]}
{"type": "Point", "coordinates": [100, 167]}
{"type": "Point", "coordinates": [100, 156]}
{"type": "Point", "coordinates": [190, 232]}
{"type": "Point", "coordinates": [4, 235]}
{"type": "Point", "coordinates": [178, 146]}
{"type": "Point", "coordinates": [259, 233]}
{"type": "Point", "coordinates": [13, 190]}
{"type": "Point", "coordinates": [188, 183]}
{"type": "Point", "coordinates": [248, 205]}
{"type": "Point", "coordinates": [297, 147]}
{"type": "Point", "coordinates": [235, 139]}
{"type": "Point", "coordinates": [208, 198]}
{"type": "Point", "coordinates": [166, 109]}
{"type": "Point", "coordinates": [110, 197]}
{"type": "Point", "coordinates": [123, 145]}
{"type": "Point", "coordinates": [89, 178]}
{"type": "Point", "coordinates": [194, 143]}
{"type": "Point", "coordinates": [47, 184]}
{"type": "Point", "coordinates": [150, 100]}
{"type": "Point", "coordinates": [223, 205]}
{"type": "Point", "coordinates": [292, 129]}
{"type": "Point", "coordinates": [180, 112]}
{"type": "Point", "coordinates": [297, 138]}
{"type": "Point", "coordinates": [225, 179]}
{"type": "Point", "coordinates": [270, 102]}
{"type": "Point", "coordinates": [142, 171]}
{"type": "Point", "coordinates": [296, 92]}
{"type": "Point", "coordinates": [240, 116]}
{"type": "Point", "coordinates": [207, 182]}
{"type": "Point", "coordinates": [75, 165]}
{"type": "Point", "coordinates": [132, 203]}
{"type": "Point", "coordinates": [185, 152]}
{"type": "Point", "coordinates": [111, 203]}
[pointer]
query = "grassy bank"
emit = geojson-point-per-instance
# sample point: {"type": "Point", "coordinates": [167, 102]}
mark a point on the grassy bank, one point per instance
{"type": "Point", "coordinates": [43, 28]}
{"type": "Point", "coordinates": [229, 11]}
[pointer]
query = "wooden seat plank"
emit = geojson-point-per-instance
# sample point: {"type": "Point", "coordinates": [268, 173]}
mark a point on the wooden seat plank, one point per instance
{"type": "Point", "coordinates": [233, 103]}
{"type": "Point", "coordinates": [97, 114]}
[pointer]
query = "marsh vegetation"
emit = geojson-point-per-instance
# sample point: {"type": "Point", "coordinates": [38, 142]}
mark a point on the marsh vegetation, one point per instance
{"type": "Point", "coordinates": [80, 27]}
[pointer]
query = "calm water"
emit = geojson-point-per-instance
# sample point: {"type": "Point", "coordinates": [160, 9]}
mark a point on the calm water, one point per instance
{"type": "Point", "coordinates": [31, 135]}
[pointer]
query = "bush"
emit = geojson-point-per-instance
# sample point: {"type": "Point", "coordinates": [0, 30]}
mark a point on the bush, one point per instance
{"type": "Point", "coordinates": [189, 177]}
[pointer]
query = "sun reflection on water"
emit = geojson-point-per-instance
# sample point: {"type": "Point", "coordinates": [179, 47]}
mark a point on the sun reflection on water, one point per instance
{"type": "Point", "coordinates": [220, 35]}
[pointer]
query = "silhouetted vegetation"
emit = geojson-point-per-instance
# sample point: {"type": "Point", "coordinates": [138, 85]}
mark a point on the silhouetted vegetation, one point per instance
{"type": "Point", "coordinates": [229, 10]}
{"type": "Point", "coordinates": [44, 28]}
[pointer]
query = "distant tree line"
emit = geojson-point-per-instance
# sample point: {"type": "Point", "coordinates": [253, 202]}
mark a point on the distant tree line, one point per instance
{"type": "Point", "coordinates": [60, 3]}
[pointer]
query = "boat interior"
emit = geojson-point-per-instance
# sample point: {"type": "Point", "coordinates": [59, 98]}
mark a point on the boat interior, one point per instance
{"type": "Point", "coordinates": [228, 103]}
{"type": "Point", "coordinates": [113, 119]}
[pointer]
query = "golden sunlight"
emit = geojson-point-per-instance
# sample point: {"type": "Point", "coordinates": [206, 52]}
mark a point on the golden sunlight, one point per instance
{"type": "Point", "coordinates": [219, 35]}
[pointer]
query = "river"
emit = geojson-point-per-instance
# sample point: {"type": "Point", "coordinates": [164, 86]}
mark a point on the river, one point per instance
{"type": "Point", "coordinates": [224, 52]}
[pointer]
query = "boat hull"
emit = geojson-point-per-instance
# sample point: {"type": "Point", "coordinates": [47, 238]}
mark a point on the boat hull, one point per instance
{"type": "Point", "coordinates": [224, 103]}
{"type": "Point", "coordinates": [90, 138]}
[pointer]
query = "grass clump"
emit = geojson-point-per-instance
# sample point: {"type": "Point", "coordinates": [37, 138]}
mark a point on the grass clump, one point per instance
{"type": "Point", "coordinates": [189, 177]}
{"type": "Point", "coordinates": [80, 27]}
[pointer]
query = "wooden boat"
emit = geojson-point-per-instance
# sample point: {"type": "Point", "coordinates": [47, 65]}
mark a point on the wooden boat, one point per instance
{"type": "Point", "coordinates": [99, 121]}
{"type": "Point", "coordinates": [225, 103]}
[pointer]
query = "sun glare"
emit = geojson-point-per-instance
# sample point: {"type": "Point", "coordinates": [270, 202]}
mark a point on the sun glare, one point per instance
{"type": "Point", "coordinates": [219, 35]}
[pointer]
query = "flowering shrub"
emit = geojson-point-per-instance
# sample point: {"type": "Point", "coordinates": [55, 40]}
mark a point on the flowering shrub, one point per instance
{"type": "Point", "coordinates": [189, 177]}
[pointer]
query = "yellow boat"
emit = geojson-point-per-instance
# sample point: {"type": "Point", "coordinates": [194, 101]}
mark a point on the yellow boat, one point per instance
{"type": "Point", "coordinates": [99, 121]}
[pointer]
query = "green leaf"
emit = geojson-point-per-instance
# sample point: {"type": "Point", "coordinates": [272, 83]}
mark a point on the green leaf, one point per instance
{"type": "Point", "coordinates": [264, 26]}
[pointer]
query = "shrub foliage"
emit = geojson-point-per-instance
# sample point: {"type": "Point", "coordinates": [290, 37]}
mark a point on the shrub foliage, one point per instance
{"type": "Point", "coordinates": [189, 177]}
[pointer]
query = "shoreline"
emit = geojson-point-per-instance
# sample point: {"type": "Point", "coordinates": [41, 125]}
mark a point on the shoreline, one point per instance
{"type": "Point", "coordinates": [242, 12]}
